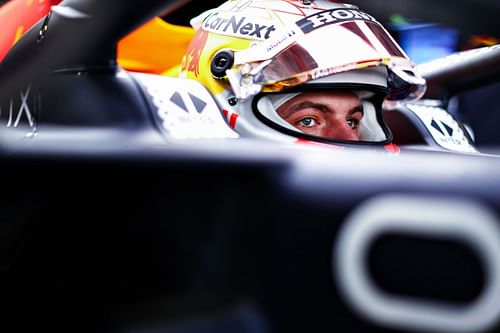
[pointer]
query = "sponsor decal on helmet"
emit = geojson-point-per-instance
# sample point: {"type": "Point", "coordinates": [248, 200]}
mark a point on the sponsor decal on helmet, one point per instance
{"type": "Point", "coordinates": [333, 70]}
{"type": "Point", "coordinates": [241, 5]}
{"type": "Point", "coordinates": [327, 17]}
{"type": "Point", "coordinates": [191, 60]}
{"type": "Point", "coordinates": [239, 26]}
{"type": "Point", "coordinates": [285, 37]}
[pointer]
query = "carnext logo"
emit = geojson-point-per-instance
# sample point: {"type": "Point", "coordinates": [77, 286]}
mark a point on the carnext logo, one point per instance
{"type": "Point", "coordinates": [239, 26]}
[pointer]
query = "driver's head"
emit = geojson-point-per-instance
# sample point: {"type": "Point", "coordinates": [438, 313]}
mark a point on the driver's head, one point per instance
{"type": "Point", "coordinates": [289, 70]}
{"type": "Point", "coordinates": [329, 114]}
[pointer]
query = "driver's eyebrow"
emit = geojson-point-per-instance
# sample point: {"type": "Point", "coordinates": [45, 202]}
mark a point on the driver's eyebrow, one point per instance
{"type": "Point", "coordinates": [305, 105]}
{"type": "Point", "coordinates": [357, 108]}
{"type": "Point", "coordinates": [320, 107]}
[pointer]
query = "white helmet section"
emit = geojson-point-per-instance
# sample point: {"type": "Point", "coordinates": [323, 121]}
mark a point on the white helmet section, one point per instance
{"type": "Point", "coordinates": [370, 129]}
{"type": "Point", "coordinates": [269, 104]}
{"type": "Point", "coordinates": [242, 118]}
{"type": "Point", "coordinates": [326, 40]}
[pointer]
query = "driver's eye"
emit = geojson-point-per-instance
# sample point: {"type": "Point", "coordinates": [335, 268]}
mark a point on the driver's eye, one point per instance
{"type": "Point", "coordinates": [352, 123]}
{"type": "Point", "coordinates": [307, 122]}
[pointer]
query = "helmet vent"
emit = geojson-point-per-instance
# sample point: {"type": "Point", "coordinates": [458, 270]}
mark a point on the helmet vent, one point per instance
{"type": "Point", "coordinates": [221, 62]}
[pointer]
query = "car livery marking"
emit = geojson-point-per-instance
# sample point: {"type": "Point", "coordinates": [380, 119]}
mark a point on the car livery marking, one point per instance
{"type": "Point", "coordinates": [19, 34]}
{"type": "Point", "coordinates": [184, 108]}
{"type": "Point", "coordinates": [24, 109]}
{"type": "Point", "coordinates": [198, 104]}
{"type": "Point", "coordinates": [231, 117]}
{"type": "Point", "coordinates": [332, 16]}
{"type": "Point", "coordinates": [10, 113]}
{"type": "Point", "coordinates": [445, 130]}
{"type": "Point", "coordinates": [467, 222]}
{"type": "Point", "coordinates": [177, 100]}
{"type": "Point", "coordinates": [236, 25]}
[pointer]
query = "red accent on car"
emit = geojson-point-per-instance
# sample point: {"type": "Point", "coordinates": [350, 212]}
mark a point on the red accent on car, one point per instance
{"type": "Point", "coordinates": [232, 120]}
{"type": "Point", "coordinates": [314, 143]}
{"type": "Point", "coordinates": [391, 147]}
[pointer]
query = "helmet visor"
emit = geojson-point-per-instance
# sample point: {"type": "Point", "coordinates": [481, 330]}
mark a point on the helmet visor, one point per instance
{"type": "Point", "coordinates": [319, 46]}
{"type": "Point", "coordinates": [332, 115]}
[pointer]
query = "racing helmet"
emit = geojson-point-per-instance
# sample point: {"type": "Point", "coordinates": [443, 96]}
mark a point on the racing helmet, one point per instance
{"type": "Point", "coordinates": [277, 69]}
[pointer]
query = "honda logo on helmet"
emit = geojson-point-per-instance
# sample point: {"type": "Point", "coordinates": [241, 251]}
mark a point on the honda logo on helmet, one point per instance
{"type": "Point", "coordinates": [240, 5]}
{"type": "Point", "coordinates": [332, 16]}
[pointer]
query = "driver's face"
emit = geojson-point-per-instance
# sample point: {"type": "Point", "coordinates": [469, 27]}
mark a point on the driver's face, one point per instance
{"type": "Point", "coordinates": [332, 115]}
